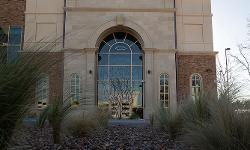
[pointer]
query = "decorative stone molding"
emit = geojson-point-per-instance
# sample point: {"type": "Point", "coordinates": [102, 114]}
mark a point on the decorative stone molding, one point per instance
{"type": "Point", "coordinates": [147, 42]}
{"type": "Point", "coordinates": [197, 53]}
{"type": "Point", "coordinates": [89, 9]}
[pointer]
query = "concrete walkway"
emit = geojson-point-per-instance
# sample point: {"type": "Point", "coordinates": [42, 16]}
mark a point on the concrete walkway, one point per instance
{"type": "Point", "coordinates": [133, 123]}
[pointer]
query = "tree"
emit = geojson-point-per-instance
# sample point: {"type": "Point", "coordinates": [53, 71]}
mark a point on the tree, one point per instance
{"type": "Point", "coordinates": [120, 96]}
{"type": "Point", "coordinates": [243, 55]}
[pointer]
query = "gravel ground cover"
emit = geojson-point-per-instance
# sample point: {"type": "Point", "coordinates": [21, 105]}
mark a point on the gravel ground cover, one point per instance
{"type": "Point", "coordinates": [116, 137]}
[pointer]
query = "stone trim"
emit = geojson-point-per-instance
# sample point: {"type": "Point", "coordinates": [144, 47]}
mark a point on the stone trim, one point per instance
{"type": "Point", "coordinates": [89, 9]}
{"type": "Point", "coordinates": [197, 53]}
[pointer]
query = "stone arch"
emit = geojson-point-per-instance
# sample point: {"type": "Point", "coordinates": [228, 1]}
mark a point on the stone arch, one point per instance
{"type": "Point", "coordinates": [147, 42]}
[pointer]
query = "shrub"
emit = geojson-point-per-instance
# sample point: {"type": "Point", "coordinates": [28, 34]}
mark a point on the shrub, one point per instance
{"type": "Point", "coordinates": [102, 116]}
{"type": "Point", "coordinates": [17, 80]}
{"type": "Point", "coordinates": [87, 122]}
{"type": "Point", "coordinates": [79, 127]}
{"type": "Point", "coordinates": [220, 126]}
{"type": "Point", "coordinates": [170, 122]}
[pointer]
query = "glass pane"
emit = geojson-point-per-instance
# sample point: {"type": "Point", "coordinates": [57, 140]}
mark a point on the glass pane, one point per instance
{"type": "Point", "coordinates": [161, 81]}
{"type": "Point", "coordinates": [137, 98]}
{"type": "Point", "coordinates": [166, 96]}
{"type": "Point", "coordinates": [103, 73]}
{"type": "Point", "coordinates": [102, 92]}
{"type": "Point", "coordinates": [166, 81]}
{"type": "Point", "coordinates": [120, 48]}
{"type": "Point", "coordinates": [161, 96]}
{"type": "Point", "coordinates": [193, 82]}
{"type": "Point", "coordinates": [110, 39]}
{"type": "Point", "coordinates": [104, 48]}
{"type": "Point", "coordinates": [120, 36]}
{"type": "Point", "coordinates": [12, 53]}
{"type": "Point", "coordinates": [137, 59]}
{"type": "Point", "coordinates": [121, 73]}
{"type": "Point", "coordinates": [198, 83]}
{"type": "Point", "coordinates": [15, 35]}
{"type": "Point", "coordinates": [103, 59]}
{"type": "Point", "coordinates": [166, 103]}
{"type": "Point", "coordinates": [130, 39]}
{"type": "Point", "coordinates": [135, 48]}
{"type": "Point", "coordinates": [166, 89]}
{"type": "Point", "coordinates": [162, 89]}
{"type": "Point", "coordinates": [3, 35]}
{"type": "Point", "coordinates": [137, 73]}
{"type": "Point", "coordinates": [120, 59]}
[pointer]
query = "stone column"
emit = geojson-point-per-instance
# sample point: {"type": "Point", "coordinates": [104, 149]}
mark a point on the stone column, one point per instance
{"type": "Point", "coordinates": [149, 90]}
{"type": "Point", "coordinates": [90, 88]}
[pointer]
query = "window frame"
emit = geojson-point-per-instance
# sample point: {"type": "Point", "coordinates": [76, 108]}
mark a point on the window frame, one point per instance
{"type": "Point", "coordinates": [194, 97]}
{"type": "Point", "coordinates": [164, 93]}
{"type": "Point", "coordinates": [8, 44]}
{"type": "Point", "coordinates": [41, 98]}
{"type": "Point", "coordinates": [73, 91]}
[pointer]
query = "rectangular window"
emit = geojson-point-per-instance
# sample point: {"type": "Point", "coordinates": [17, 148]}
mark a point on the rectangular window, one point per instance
{"type": "Point", "coordinates": [14, 43]}
{"type": "Point", "coordinates": [10, 43]}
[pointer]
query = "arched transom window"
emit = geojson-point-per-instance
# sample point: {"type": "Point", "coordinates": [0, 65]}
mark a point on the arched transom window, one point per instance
{"type": "Point", "coordinates": [120, 59]}
{"type": "Point", "coordinates": [164, 90]}
{"type": "Point", "coordinates": [196, 86]}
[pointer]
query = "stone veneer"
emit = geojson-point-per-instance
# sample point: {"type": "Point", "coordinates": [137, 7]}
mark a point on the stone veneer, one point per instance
{"type": "Point", "coordinates": [205, 65]}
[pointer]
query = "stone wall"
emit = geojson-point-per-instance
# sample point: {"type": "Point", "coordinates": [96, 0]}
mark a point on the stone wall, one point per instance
{"type": "Point", "coordinates": [12, 12]}
{"type": "Point", "coordinates": [205, 65]}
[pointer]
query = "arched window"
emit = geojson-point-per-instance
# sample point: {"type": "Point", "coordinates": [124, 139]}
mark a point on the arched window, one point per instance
{"type": "Point", "coordinates": [75, 87]}
{"type": "Point", "coordinates": [42, 91]}
{"type": "Point", "coordinates": [164, 90]}
{"type": "Point", "coordinates": [120, 70]}
{"type": "Point", "coordinates": [196, 86]}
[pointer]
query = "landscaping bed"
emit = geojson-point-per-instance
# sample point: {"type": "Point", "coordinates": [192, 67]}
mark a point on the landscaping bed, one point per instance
{"type": "Point", "coordinates": [112, 137]}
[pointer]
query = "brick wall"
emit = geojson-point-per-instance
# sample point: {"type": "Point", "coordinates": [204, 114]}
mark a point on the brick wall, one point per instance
{"type": "Point", "coordinates": [205, 65]}
{"type": "Point", "coordinates": [12, 12]}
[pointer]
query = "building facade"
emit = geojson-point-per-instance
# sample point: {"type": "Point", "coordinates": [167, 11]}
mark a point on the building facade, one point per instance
{"type": "Point", "coordinates": [131, 56]}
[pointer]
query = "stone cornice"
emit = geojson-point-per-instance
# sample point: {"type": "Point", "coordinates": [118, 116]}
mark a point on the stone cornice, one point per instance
{"type": "Point", "coordinates": [197, 53]}
{"type": "Point", "coordinates": [85, 50]}
{"type": "Point", "coordinates": [159, 50]}
{"type": "Point", "coordinates": [90, 9]}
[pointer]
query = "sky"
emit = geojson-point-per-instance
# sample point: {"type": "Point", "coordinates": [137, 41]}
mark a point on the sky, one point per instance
{"type": "Point", "coordinates": [229, 22]}
{"type": "Point", "coordinates": [230, 28]}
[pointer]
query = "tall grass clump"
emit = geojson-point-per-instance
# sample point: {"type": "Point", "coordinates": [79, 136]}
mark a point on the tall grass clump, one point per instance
{"type": "Point", "coordinates": [17, 80]}
{"type": "Point", "coordinates": [221, 127]}
{"type": "Point", "coordinates": [169, 122]}
{"type": "Point", "coordinates": [55, 113]}
{"type": "Point", "coordinates": [86, 122]}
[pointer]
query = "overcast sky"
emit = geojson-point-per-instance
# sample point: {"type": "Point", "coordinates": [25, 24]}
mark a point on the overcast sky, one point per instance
{"type": "Point", "coordinates": [229, 23]}
{"type": "Point", "coordinates": [230, 29]}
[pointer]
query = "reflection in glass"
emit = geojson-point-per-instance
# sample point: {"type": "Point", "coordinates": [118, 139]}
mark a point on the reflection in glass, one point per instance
{"type": "Point", "coordinates": [120, 67]}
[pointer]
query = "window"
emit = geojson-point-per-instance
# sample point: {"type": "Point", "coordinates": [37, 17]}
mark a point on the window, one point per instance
{"type": "Point", "coordinates": [196, 84]}
{"type": "Point", "coordinates": [10, 43]}
{"type": "Point", "coordinates": [120, 70]}
{"type": "Point", "coordinates": [75, 87]}
{"type": "Point", "coordinates": [164, 90]}
{"type": "Point", "coordinates": [42, 91]}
